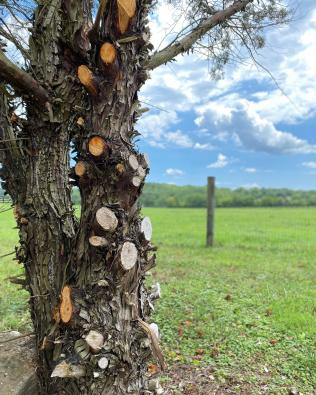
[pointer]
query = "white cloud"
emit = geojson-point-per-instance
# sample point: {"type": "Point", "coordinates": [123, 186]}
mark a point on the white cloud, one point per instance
{"type": "Point", "coordinates": [185, 86]}
{"type": "Point", "coordinates": [309, 165]}
{"type": "Point", "coordinates": [222, 161]}
{"type": "Point", "coordinates": [239, 120]}
{"type": "Point", "coordinates": [206, 146]}
{"type": "Point", "coordinates": [156, 129]}
{"type": "Point", "coordinates": [174, 172]}
{"type": "Point", "coordinates": [179, 138]}
{"type": "Point", "coordinates": [250, 170]}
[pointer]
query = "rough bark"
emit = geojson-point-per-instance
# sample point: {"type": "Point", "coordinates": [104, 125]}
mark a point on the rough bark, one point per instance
{"type": "Point", "coordinates": [86, 280]}
{"type": "Point", "coordinates": [89, 305]}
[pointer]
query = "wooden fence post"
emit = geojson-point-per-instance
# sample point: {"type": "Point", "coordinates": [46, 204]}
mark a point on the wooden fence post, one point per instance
{"type": "Point", "coordinates": [210, 210]}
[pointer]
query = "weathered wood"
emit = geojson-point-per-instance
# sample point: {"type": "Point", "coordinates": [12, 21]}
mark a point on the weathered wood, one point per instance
{"type": "Point", "coordinates": [210, 210]}
{"type": "Point", "coordinates": [136, 181]}
{"type": "Point", "coordinates": [66, 308]}
{"type": "Point", "coordinates": [97, 146]}
{"type": "Point", "coordinates": [67, 370]}
{"type": "Point", "coordinates": [103, 363]}
{"type": "Point", "coordinates": [80, 121]}
{"type": "Point", "coordinates": [98, 241]}
{"type": "Point", "coordinates": [21, 80]}
{"type": "Point", "coordinates": [108, 293]}
{"type": "Point", "coordinates": [155, 291]}
{"type": "Point", "coordinates": [95, 340]}
{"type": "Point", "coordinates": [129, 255]}
{"type": "Point", "coordinates": [54, 245]}
{"type": "Point", "coordinates": [145, 161]}
{"type": "Point", "coordinates": [141, 172]}
{"type": "Point", "coordinates": [106, 219]}
{"type": "Point", "coordinates": [133, 162]}
{"type": "Point", "coordinates": [154, 342]}
{"type": "Point", "coordinates": [146, 228]}
{"type": "Point", "coordinates": [154, 327]}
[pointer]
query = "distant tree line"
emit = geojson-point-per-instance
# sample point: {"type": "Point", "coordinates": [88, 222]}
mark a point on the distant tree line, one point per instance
{"type": "Point", "coordinates": [167, 195]}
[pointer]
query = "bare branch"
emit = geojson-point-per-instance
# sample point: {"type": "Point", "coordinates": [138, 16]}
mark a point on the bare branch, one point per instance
{"type": "Point", "coordinates": [94, 31]}
{"type": "Point", "coordinates": [21, 80]}
{"type": "Point", "coordinates": [187, 42]}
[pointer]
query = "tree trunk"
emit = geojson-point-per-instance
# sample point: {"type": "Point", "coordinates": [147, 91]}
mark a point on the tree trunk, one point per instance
{"type": "Point", "coordinates": [88, 301]}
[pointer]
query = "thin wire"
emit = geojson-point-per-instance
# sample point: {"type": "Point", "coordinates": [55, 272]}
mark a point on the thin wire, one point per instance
{"type": "Point", "coordinates": [152, 105]}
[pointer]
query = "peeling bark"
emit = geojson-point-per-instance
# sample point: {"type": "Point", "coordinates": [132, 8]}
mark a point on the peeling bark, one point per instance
{"type": "Point", "coordinates": [89, 304]}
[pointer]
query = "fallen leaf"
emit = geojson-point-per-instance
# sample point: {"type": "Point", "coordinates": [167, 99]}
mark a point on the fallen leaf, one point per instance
{"type": "Point", "coordinates": [200, 333]}
{"type": "Point", "coordinates": [180, 330]}
{"type": "Point", "coordinates": [214, 352]}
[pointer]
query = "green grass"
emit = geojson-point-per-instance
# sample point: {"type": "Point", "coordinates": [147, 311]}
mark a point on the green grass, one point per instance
{"type": "Point", "coordinates": [247, 306]}
{"type": "Point", "coordinates": [13, 302]}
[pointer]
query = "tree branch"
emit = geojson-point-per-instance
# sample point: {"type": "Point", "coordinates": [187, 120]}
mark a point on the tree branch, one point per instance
{"type": "Point", "coordinates": [21, 80]}
{"type": "Point", "coordinates": [94, 31]}
{"type": "Point", "coordinates": [187, 42]}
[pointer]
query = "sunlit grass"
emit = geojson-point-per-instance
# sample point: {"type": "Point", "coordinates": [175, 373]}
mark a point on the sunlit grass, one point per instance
{"type": "Point", "coordinates": [247, 306]}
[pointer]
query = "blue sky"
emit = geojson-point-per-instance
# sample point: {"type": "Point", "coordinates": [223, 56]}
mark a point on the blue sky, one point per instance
{"type": "Point", "coordinates": [241, 129]}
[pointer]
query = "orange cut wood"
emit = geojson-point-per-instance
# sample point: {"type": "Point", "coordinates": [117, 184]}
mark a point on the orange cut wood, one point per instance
{"type": "Point", "coordinates": [66, 309]}
{"type": "Point", "coordinates": [97, 146]}
{"type": "Point", "coordinates": [123, 20]}
{"type": "Point", "coordinates": [85, 76]}
{"type": "Point", "coordinates": [108, 53]}
{"type": "Point", "coordinates": [129, 6]}
{"type": "Point", "coordinates": [80, 168]}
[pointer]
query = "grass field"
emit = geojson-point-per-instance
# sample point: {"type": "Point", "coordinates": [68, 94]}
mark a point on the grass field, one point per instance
{"type": "Point", "coordinates": [247, 307]}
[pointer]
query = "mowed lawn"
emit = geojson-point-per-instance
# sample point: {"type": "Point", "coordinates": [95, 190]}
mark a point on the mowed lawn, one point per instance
{"type": "Point", "coordinates": [247, 306]}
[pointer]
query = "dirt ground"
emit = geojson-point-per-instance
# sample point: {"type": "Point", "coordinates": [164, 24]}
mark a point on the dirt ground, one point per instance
{"type": "Point", "coordinates": [190, 380]}
{"type": "Point", "coordinates": [16, 366]}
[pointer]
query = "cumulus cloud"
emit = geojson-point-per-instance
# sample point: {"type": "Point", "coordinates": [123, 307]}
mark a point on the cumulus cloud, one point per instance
{"type": "Point", "coordinates": [179, 138]}
{"type": "Point", "coordinates": [222, 161]}
{"type": "Point", "coordinates": [185, 86]}
{"type": "Point", "coordinates": [157, 128]}
{"type": "Point", "coordinates": [238, 119]}
{"type": "Point", "coordinates": [174, 172]}
{"type": "Point", "coordinates": [309, 165]}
